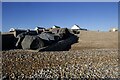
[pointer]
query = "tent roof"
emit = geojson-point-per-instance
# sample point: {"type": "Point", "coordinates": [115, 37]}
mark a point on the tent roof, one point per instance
{"type": "Point", "coordinates": [75, 27]}
{"type": "Point", "coordinates": [55, 26]}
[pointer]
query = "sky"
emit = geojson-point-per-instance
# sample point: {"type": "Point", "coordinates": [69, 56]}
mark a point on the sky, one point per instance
{"type": "Point", "coordinates": [90, 15]}
{"type": "Point", "coordinates": [60, 0]}
{"type": "Point", "coordinates": [0, 16]}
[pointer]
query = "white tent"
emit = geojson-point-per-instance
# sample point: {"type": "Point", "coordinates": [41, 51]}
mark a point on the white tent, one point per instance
{"type": "Point", "coordinates": [75, 27]}
{"type": "Point", "coordinates": [55, 26]}
{"type": "Point", "coordinates": [39, 28]}
{"type": "Point", "coordinates": [113, 30]}
{"type": "Point", "coordinates": [15, 29]}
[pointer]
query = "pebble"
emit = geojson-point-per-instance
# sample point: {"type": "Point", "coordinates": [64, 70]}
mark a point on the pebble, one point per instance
{"type": "Point", "coordinates": [96, 63]}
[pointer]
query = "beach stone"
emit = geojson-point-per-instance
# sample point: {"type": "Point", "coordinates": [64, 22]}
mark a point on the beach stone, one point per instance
{"type": "Point", "coordinates": [20, 39]}
{"type": "Point", "coordinates": [48, 38]}
{"type": "Point", "coordinates": [32, 42]}
{"type": "Point", "coordinates": [61, 32]}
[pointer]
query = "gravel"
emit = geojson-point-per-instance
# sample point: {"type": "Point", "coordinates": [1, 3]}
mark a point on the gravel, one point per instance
{"type": "Point", "coordinates": [93, 63]}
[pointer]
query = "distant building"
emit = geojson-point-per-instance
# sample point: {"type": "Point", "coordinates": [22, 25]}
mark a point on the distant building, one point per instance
{"type": "Point", "coordinates": [113, 30]}
{"type": "Point", "coordinates": [55, 26]}
{"type": "Point", "coordinates": [14, 29]}
{"type": "Point", "coordinates": [76, 27]}
{"type": "Point", "coordinates": [39, 28]}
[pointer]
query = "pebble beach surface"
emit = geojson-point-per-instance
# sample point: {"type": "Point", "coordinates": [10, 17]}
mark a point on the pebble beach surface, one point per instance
{"type": "Point", "coordinates": [93, 63]}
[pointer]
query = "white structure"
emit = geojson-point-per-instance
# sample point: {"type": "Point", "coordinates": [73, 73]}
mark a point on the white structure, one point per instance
{"type": "Point", "coordinates": [39, 28]}
{"type": "Point", "coordinates": [55, 26]}
{"type": "Point", "coordinates": [75, 27]}
{"type": "Point", "coordinates": [113, 30]}
{"type": "Point", "coordinates": [14, 29]}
